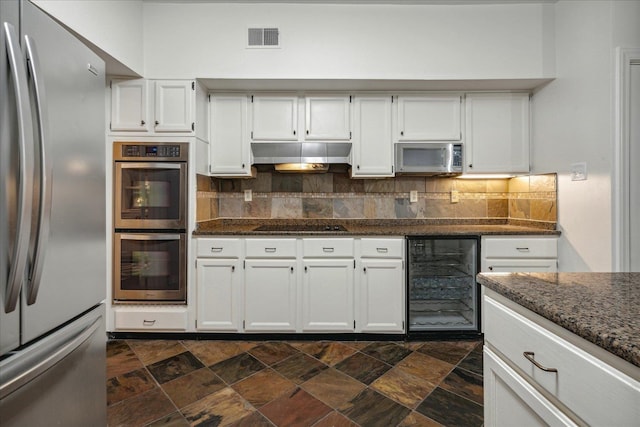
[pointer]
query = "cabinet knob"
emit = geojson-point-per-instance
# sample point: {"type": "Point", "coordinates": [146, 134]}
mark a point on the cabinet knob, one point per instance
{"type": "Point", "coordinates": [142, 122]}
{"type": "Point", "coordinates": [292, 269]}
{"type": "Point", "coordinates": [470, 166]}
{"type": "Point", "coordinates": [401, 133]}
{"type": "Point", "coordinates": [294, 132]}
{"type": "Point", "coordinates": [157, 123]}
{"type": "Point", "coordinates": [243, 166]}
{"type": "Point", "coordinates": [358, 167]}
{"type": "Point", "coordinates": [491, 268]}
{"type": "Point", "coordinates": [307, 132]}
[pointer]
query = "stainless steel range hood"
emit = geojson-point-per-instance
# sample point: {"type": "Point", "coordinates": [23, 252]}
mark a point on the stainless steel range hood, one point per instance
{"type": "Point", "coordinates": [301, 156]}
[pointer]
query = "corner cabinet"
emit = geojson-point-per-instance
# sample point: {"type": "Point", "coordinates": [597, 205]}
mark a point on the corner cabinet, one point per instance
{"type": "Point", "coordinates": [229, 151]}
{"type": "Point", "coordinates": [372, 145]}
{"type": "Point", "coordinates": [152, 106]}
{"type": "Point", "coordinates": [497, 133]}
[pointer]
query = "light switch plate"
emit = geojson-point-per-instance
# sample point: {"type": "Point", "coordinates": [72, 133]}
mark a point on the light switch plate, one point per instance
{"type": "Point", "coordinates": [579, 171]}
{"type": "Point", "coordinates": [248, 196]}
{"type": "Point", "coordinates": [413, 196]}
{"type": "Point", "coordinates": [455, 197]}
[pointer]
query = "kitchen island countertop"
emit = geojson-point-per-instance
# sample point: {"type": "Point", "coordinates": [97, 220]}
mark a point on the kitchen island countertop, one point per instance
{"type": "Point", "coordinates": [603, 308]}
{"type": "Point", "coordinates": [246, 227]}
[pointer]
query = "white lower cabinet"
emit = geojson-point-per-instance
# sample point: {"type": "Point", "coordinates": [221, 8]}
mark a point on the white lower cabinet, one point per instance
{"type": "Point", "coordinates": [327, 295]}
{"type": "Point", "coordinates": [503, 254]}
{"type": "Point", "coordinates": [537, 373]}
{"type": "Point", "coordinates": [381, 285]}
{"type": "Point", "coordinates": [219, 288]}
{"type": "Point", "coordinates": [270, 295]}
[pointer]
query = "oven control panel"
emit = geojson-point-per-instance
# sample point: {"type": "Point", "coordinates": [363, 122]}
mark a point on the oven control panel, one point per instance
{"type": "Point", "coordinates": [164, 151]}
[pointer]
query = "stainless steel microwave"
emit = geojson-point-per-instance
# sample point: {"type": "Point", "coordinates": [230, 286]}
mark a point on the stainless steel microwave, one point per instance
{"type": "Point", "coordinates": [428, 158]}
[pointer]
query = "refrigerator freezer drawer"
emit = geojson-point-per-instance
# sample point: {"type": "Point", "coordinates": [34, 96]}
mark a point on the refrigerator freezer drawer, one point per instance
{"type": "Point", "coordinates": [60, 380]}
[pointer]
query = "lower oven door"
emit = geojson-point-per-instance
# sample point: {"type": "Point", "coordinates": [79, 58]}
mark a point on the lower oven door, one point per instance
{"type": "Point", "coordinates": [150, 267]}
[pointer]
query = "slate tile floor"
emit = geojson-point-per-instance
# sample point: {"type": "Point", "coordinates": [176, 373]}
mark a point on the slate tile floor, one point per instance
{"type": "Point", "coordinates": [291, 383]}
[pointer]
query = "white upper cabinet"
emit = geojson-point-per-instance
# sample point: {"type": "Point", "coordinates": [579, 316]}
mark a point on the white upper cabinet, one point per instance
{"type": "Point", "coordinates": [129, 105]}
{"type": "Point", "coordinates": [328, 118]}
{"type": "Point", "coordinates": [429, 118]}
{"type": "Point", "coordinates": [274, 118]}
{"type": "Point", "coordinates": [174, 106]}
{"type": "Point", "coordinates": [372, 148]}
{"type": "Point", "coordinates": [162, 106]}
{"type": "Point", "coordinates": [229, 152]}
{"type": "Point", "coordinates": [497, 133]}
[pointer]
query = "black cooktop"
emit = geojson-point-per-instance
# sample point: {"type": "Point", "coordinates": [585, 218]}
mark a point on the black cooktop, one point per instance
{"type": "Point", "coordinates": [300, 227]}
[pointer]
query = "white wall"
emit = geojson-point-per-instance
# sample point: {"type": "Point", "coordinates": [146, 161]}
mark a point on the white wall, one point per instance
{"type": "Point", "coordinates": [113, 27]}
{"type": "Point", "coordinates": [340, 41]}
{"type": "Point", "coordinates": [573, 122]}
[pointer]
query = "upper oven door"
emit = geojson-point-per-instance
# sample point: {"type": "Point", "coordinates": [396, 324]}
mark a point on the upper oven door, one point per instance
{"type": "Point", "coordinates": [150, 195]}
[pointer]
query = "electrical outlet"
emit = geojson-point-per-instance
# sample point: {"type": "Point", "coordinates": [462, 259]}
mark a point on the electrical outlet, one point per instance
{"type": "Point", "coordinates": [455, 197]}
{"type": "Point", "coordinates": [248, 196]}
{"type": "Point", "coordinates": [413, 196]}
{"type": "Point", "coordinates": [579, 171]}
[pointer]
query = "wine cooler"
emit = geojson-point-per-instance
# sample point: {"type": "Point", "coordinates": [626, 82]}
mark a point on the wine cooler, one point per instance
{"type": "Point", "coordinates": [442, 290]}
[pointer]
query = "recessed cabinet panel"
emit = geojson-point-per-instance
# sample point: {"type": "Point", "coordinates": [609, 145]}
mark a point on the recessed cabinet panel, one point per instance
{"type": "Point", "coordinates": [219, 289]}
{"type": "Point", "coordinates": [327, 295]}
{"type": "Point", "coordinates": [270, 295]}
{"type": "Point", "coordinates": [372, 148]}
{"type": "Point", "coordinates": [274, 118]}
{"type": "Point", "coordinates": [228, 143]}
{"type": "Point", "coordinates": [497, 133]}
{"type": "Point", "coordinates": [173, 106]}
{"type": "Point", "coordinates": [429, 118]}
{"type": "Point", "coordinates": [328, 118]}
{"type": "Point", "coordinates": [130, 105]}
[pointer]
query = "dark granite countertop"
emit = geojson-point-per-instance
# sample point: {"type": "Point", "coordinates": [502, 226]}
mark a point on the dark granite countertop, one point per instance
{"type": "Point", "coordinates": [603, 308]}
{"type": "Point", "coordinates": [378, 227]}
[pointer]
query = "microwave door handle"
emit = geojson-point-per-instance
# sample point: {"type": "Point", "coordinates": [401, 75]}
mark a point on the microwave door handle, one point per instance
{"type": "Point", "coordinates": [20, 253]}
{"type": "Point", "coordinates": [44, 205]}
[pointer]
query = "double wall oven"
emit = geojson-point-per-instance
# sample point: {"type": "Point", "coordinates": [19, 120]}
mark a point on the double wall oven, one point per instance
{"type": "Point", "coordinates": [150, 222]}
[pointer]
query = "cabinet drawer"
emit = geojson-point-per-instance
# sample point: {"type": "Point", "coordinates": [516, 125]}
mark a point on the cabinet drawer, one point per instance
{"type": "Point", "coordinates": [542, 265]}
{"type": "Point", "coordinates": [218, 248]}
{"type": "Point", "coordinates": [595, 391]}
{"type": "Point", "coordinates": [520, 247]}
{"type": "Point", "coordinates": [334, 248]}
{"type": "Point", "coordinates": [150, 319]}
{"type": "Point", "coordinates": [270, 248]}
{"type": "Point", "coordinates": [381, 248]}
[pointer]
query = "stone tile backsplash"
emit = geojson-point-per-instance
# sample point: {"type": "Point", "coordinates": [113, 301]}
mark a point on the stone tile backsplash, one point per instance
{"type": "Point", "coordinates": [335, 195]}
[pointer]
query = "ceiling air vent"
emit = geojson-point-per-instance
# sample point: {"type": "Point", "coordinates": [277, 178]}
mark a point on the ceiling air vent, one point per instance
{"type": "Point", "coordinates": [264, 37]}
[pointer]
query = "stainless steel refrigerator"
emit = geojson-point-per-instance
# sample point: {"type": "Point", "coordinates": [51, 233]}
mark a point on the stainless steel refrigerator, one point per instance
{"type": "Point", "coordinates": [52, 224]}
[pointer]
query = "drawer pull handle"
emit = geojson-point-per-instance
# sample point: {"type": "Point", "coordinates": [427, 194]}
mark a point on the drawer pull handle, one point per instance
{"type": "Point", "coordinates": [148, 322]}
{"type": "Point", "coordinates": [523, 249]}
{"type": "Point", "coordinates": [382, 250]}
{"type": "Point", "coordinates": [271, 250]}
{"type": "Point", "coordinates": [216, 249]}
{"type": "Point", "coordinates": [327, 249]}
{"type": "Point", "coordinates": [529, 356]}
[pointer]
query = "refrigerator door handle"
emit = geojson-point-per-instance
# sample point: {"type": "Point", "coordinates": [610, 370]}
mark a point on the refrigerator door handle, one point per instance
{"type": "Point", "coordinates": [15, 375]}
{"type": "Point", "coordinates": [25, 179]}
{"type": "Point", "coordinates": [41, 237]}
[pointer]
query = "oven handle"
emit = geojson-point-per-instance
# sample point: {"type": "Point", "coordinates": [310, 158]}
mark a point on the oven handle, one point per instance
{"type": "Point", "coordinates": [150, 236]}
{"type": "Point", "coordinates": [146, 165]}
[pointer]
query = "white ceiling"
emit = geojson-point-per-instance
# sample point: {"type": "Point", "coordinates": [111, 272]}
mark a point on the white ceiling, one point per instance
{"type": "Point", "coordinates": [388, 2]}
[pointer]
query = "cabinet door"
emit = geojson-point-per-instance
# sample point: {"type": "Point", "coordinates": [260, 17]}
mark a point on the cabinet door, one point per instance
{"type": "Point", "coordinates": [174, 106]}
{"type": "Point", "coordinates": [130, 105]}
{"type": "Point", "coordinates": [274, 118]}
{"type": "Point", "coordinates": [328, 118]}
{"type": "Point", "coordinates": [381, 296]}
{"type": "Point", "coordinates": [509, 400]}
{"type": "Point", "coordinates": [270, 295]}
{"type": "Point", "coordinates": [327, 295]}
{"type": "Point", "coordinates": [218, 294]}
{"type": "Point", "coordinates": [497, 133]}
{"type": "Point", "coordinates": [372, 148]}
{"type": "Point", "coordinates": [429, 118]}
{"type": "Point", "coordinates": [229, 152]}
